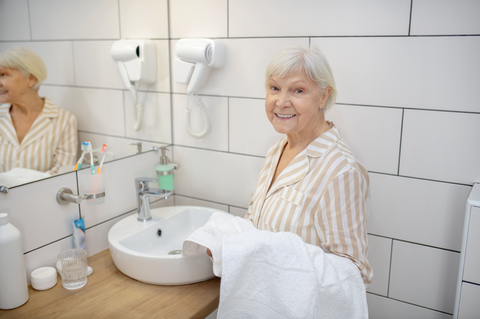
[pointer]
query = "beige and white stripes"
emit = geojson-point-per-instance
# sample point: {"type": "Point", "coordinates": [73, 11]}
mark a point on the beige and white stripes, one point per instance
{"type": "Point", "coordinates": [50, 143]}
{"type": "Point", "coordinates": [322, 196]}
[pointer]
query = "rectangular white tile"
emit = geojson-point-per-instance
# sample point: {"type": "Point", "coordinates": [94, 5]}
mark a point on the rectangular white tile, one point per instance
{"type": "Point", "coordinates": [94, 66]}
{"type": "Point", "coordinates": [14, 20]}
{"type": "Point", "coordinates": [117, 147]}
{"type": "Point", "coordinates": [250, 130]}
{"type": "Point", "coordinates": [33, 209]}
{"type": "Point", "coordinates": [405, 208]}
{"type": "Point", "coordinates": [144, 18]}
{"type": "Point", "coordinates": [198, 19]}
{"type": "Point", "coordinates": [243, 74]}
{"type": "Point", "coordinates": [46, 256]}
{"type": "Point", "coordinates": [385, 308]}
{"type": "Point", "coordinates": [379, 253]}
{"type": "Point", "coordinates": [96, 237]}
{"type": "Point", "coordinates": [216, 176]}
{"type": "Point", "coordinates": [119, 187]}
{"type": "Point", "coordinates": [57, 56]}
{"type": "Point", "coordinates": [249, 18]}
{"type": "Point", "coordinates": [439, 17]}
{"type": "Point", "coordinates": [156, 118]}
{"type": "Point", "coordinates": [424, 276]}
{"type": "Point", "coordinates": [441, 146]}
{"type": "Point", "coordinates": [97, 110]}
{"type": "Point", "coordinates": [469, 307]}
{"type": "Point", "coordinates": [88, 19]}
{"type": "Point", "coordinates": [187, 201]}
{"type": "Point", "coordinates": [217, 113]}
{"type": "Point", "coordinates": [405, 71]}
{"type": "Point", "coordinates": [236, 211]}
{"type": "Point", "coordinates": [373, 133]}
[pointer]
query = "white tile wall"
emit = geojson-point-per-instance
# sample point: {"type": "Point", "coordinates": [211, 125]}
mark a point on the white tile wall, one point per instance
{"type": "Point", "coordinates": [156, 121]}
{"type": "Point", "coordinates": [198, 19]}
{"type": "Point", "coordinates": [250, 130]}
{"type": "Point", "coordinates": [217, 112]}
{"type": "Point", "coordinates": [186, 201]}
{"type": "Point", "coordinates": [413, 72]}
{"type": "Point", "coordinates": [94, 66]}
{"type": "Point", "coordinates": [379, 253]}
{"type": "Point", "coordinates": [244, 71]}
{"type": "Point", "coordinates": [240, 212]}
{"type": "Point", "coordinates": [216, 176]}
{"type": "Point", "coordinates": [373, 133]}
{"type": "Point", "coordinates": [424, 276]}
{"type": "Point", "coordinates": [441, 146]}
{"type": "Point", "coordinates": [93, 108]}
{"type": "Point", "coordinates": [391, 71]}
{"type": "Point", "coordinates": [14, 20]}
{"type": "Point", "coordinates": [57, 56]}
{"type": "Point", "coordinates": [404, 208]}
{"type": "Point", "coordinates": [384, 308]}
{"type": "Point", "coordinates": [34, 211]}
{"type": "Point", "coordinates": [431, 17]}
{"type": "Point", "coordinates": [119, 187]}
{"type": "Point", "coordinates": [144, 18]}
{"type": "Point", "coordinates": [46, 256]}
{"type": "Point", "coordinates": [317, 18]}
{"type": "Point", "coordinates": [88, 19]}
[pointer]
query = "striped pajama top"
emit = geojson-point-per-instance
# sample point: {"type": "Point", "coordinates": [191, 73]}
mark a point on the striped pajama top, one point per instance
{"type": "Point", "coordinates": [322, 196]}
{"type": "Point", "coordinates": [50, 143]}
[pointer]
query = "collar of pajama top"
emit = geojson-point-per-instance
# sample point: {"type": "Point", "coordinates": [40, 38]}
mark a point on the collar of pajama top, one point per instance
{"type": "Point", "coordinates": [41, 125]}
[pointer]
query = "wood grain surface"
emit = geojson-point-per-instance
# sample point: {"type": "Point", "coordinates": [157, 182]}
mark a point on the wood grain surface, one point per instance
{"type": "Point", "coordinates": [111, 294]}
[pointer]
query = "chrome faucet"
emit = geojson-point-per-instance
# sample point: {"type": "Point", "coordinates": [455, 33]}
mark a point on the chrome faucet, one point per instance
{"type": "Point", "coordinates": [143, 193]}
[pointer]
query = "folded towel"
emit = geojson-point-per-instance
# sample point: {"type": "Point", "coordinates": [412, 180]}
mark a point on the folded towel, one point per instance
{"type": "Point", "coordinates": [17, 176]}
{"type": "Point", "coordinates": [277, 275]}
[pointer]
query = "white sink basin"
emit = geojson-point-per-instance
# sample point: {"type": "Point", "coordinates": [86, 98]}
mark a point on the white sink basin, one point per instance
{"type": "Point", "coordinates": [151, 251]}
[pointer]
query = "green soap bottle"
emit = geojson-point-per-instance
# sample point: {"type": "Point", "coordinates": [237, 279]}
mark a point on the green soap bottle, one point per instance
{"type": "Point", "coordinates": [165, 172]}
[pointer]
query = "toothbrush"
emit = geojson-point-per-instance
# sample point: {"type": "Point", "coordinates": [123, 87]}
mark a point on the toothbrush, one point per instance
{"type": "Point", "coordinates": [89, 149]}
{"type": "Point", "coordinates": [104, 151]}
{"type": "Point", "coordinates": [79, 163]}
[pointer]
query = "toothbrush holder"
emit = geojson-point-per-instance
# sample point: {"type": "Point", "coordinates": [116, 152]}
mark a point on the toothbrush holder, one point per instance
{"type": "Point", "coordinates": [93, 188]}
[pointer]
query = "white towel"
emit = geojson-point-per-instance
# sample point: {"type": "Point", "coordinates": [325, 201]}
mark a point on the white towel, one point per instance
{"type": "Point", "coordinates": [18, 175]}
{"type": "Point", "coordinates": [277, 275]}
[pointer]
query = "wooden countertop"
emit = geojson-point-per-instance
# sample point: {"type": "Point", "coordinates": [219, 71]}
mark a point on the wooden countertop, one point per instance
{"type": "Point", "coordinates": [111, 294]}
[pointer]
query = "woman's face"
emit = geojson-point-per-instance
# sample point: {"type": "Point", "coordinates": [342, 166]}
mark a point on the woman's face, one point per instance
{"type": "Point", "coordinates": [14, 84]}
{"type": "Point", "coordinates": [294, 105]}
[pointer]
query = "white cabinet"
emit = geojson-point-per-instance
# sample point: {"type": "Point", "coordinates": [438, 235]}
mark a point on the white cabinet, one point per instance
{"type": "Point", "coordinates": [467, 299]}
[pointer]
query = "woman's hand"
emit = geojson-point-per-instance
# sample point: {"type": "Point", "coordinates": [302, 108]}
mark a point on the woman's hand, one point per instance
{"type": "Point", "coordinates": [209, 252]}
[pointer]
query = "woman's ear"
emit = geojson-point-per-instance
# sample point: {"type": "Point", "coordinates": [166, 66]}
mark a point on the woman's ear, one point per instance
{"type": "Point", "coordinates": [31, 80]}
{"type": "Point", "coordinates": [325, 95]}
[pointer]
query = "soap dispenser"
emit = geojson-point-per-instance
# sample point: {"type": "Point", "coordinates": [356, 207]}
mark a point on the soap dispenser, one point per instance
{"type": "Point", "coordinates": [165, 172]}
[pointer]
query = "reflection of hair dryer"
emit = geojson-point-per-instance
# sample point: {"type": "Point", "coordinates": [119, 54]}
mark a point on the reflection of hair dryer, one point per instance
{"type": "Point", "coordinates": [195, 59]}
{"type": "Point", "coordinates": [137, 63]}
{"type": "Point", "coordinates": [199, 56]}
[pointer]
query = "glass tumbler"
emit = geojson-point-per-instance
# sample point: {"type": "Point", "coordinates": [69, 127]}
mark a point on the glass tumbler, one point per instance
{"type": "Point", "coordinates": [72, 266]}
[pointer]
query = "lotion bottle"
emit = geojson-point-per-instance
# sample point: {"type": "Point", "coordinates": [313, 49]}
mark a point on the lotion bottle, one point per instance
{"type": "Point", "coordinates": [165, 172]}
{"type": "Point", "coordinates": [13, 279]}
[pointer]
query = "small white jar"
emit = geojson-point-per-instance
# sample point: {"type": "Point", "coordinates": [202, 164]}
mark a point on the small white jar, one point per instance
{"type": "Point", "coordinates": [44, 278]}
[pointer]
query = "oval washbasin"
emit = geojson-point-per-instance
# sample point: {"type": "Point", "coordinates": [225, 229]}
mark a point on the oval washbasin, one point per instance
{"type": "Point", "coordinates": [151, 251]}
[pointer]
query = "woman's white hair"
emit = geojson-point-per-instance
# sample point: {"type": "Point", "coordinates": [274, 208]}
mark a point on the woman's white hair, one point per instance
{"type": "Point", "coordinates": [297, 58]}
{"type": "Point", "coordinates": [26, 61]}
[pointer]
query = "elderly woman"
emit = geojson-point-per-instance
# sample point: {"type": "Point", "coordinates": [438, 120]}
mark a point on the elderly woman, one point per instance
{"type": "Point", "coordinates": [311, 183]}
{"type": "Point", "coordinates": [34, 132]}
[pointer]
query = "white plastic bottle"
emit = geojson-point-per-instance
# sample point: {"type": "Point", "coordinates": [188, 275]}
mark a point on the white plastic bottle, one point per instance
{"type": "Point", "coordinates": [13, 279]}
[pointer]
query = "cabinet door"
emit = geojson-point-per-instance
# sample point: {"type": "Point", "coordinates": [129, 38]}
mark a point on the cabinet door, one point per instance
{"type": "Point", "coordinates": [472, 252]}
{"type": "Point", "coordinates": [469, 305]}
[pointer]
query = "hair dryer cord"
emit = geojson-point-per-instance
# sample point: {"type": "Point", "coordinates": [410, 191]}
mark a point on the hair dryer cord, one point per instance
{"type": "Point", "coordinates": [206, 123]}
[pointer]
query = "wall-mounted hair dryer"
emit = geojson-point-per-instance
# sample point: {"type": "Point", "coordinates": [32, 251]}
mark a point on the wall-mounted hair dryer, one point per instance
{"type": "Point", "coordinates": [195, 59]}
{"type": "Point", "coordinates": [137, 63]}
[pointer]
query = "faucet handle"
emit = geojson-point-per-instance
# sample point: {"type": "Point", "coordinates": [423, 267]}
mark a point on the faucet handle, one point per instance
{"type": "Point", "coordinates": [141, 183]}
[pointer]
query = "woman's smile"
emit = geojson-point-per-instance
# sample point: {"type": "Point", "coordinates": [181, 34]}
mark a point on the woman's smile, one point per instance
{"type": "Point", "coordinates": [285, 116]}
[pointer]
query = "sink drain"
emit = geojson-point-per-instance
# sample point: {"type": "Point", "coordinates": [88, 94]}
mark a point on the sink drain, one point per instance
{"type": "Point", "coordinates": [159, 233]}
{"type": "Point", "coordinates": [175, 252]}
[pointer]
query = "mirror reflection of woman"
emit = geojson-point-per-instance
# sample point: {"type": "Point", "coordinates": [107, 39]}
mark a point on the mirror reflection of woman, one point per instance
{"type": "Point", "coordinates": [34, 132]}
